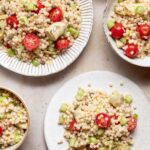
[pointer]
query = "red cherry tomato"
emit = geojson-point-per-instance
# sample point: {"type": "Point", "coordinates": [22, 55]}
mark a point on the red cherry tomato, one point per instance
{"type": "Point", "coordinates": [39, 6]}
{"type": "Point", "coordinates": [117, 31]}
{"type": "Point", "coordinates": [62, 44]}
{"type": "Point", "coordinates": [144, 31]}
{"type": "Point", "coordinates": [12, 21]}
{"type": "Point", "coordinates": [31, 42]}
{"type": "Point", "coordinates": [132, 123]}
{"type": "Point", "coordinates": [56, 14]}
{"type": "Point", "coordinates": [1, 131]}
{"type": "Point", "coordinates": [131, 50]}
{"type": "Point", "coordinates": [103, 120]}
{"type": "Point", "coordinates": [72, 125]}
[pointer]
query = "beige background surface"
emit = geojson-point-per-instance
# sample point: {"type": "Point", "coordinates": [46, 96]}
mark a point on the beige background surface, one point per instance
{"type": "Point", "coordinates": [37, 92]}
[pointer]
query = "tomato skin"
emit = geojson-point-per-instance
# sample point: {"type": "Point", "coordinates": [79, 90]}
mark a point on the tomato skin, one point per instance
{"type": "Point", "coordinates": [132, 124]}
{"type": "Point", "coordinates": [103, 120]}
{"type": "Point", "coordinates": [62, 44]}
{"type": "Point", "coordinates": [117, 31]}
{"type": "Point", "coordinates": [31, 42]}
{"type": "Point", "coordinates": [72, 125]}
{"type": "Point", "coordinates": [39, 6]}
{"type": "Point", "coordinates": [12, 21]}
{"type": "Point", "coordinates": [1, 131]}
{"type": "Point", "coordinates": [8, 45]}
{"type": "Point", "coordinates": [55, 14]}
{"type": "Point", "coordinates": [144, 31]}
{"type": "Point", "coordinates": [131, 50]}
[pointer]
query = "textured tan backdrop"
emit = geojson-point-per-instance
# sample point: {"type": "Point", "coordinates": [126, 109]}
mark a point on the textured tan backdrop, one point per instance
{"type": "Point", "coordinates": [37, 92]}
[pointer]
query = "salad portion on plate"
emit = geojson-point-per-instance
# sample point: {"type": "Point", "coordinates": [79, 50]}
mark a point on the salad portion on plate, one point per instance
{"type": "Point", "coordinates": [97, 111]}
{"type": "Point", "coordinates": [98, 121]}
{"type": "Point", "coordinates": [37, 31]}
{"type": "Point", "coordinates": [129, 26]}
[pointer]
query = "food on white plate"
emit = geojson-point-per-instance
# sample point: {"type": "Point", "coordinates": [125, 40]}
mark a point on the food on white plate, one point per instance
{"type": "Point", "coordinates": [13, 119]}
{"type": "Point", "coordinates": [129, 26]}
{"type": "Point", "coordinates": [37, 31]}
{"type": "Point", "coordinates": [99, 121]}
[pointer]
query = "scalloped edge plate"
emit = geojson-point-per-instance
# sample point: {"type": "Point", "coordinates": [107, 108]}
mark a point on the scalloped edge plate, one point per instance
{"type": "Point", "coordinates": [62, 61]}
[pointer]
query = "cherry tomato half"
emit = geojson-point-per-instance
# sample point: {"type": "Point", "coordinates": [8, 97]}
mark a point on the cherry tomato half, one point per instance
{"type": "Point", "coordinates": [72, 125]}
{"type": "Point", "coordinates": [117, 31]}
{"type": "Point", "coordinates": [103, 120]}
{"type": "Point", "coordinates": [1, 131]}
{"type": "Point", "coordinates": [132, 123]}
{"type": "Point", "coordinates": [144, 31]}
{"type": "Point", "coordinates": [12, 21]}
{"type": "Point", "coordinates": [31, 42]}
{"type": "Point", "coordinates": [39, 6]}
{"type": "Point", "coordinates": [56, 14]}
{"type": "Point", "coordinates": [62, 44]}
{"type": "Point", "coordinates": [131, 50]}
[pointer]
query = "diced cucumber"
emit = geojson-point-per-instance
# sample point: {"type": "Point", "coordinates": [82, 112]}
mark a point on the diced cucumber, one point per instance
{"type": "Point", "coordinates": [31, 6]}
{"type": "Point", "coordinates": [128, 99]}
{"type": "Point", "coordinates": [2, 116]}
{"type": "Point", "coordinates": [35, 63]}
{"type": "Point", "coordinates": [73, 31]}
{"type": "Point", "coordinates": [72, 142]}
{"type": "Point", "coordinates": [139, 10]}
{"type": "Point", "coordinates": [135, 116]}
{"type": "Point", "coordinates": [80, 94]}
{"type": "Point", "coordinates": [103, 148]}
{"type": "Point", "coordinates": [123, 40]}
{"type": "Point", "coordinates": [23, 20]}
{"type": "Point", "coordinates": [11, 52]}
{"type": "Point", "coordinates": [123, 121]}
{"type": "Point", "coordinates": [2, 98]}
{"type": "Point", "coordinates": [110, 23]}
{"type": "Point", "coordinates": [61, 120]}
{"type": "Point", "coordinates": [74, 5]}
{"type": "Point", "coordinates": [101, 132]}
{"type": "Point", "coordinates": [64, 107]}
{"type": "Point", "coordinates": [92, 140]}
{"type": "Point", "coordinates": [17, 137]}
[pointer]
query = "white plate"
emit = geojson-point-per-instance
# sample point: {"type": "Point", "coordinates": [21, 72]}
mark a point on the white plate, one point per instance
{"type": "Point", "coordinates": [145, 62]}
{"type": "Point", "coordinates": [62, 61]}
{"type": "Point", "coordinates": [99, 79]}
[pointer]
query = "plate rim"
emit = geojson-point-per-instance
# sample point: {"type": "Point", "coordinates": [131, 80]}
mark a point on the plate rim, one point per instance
{"type": "Point", "coordinates": [78, 76]}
